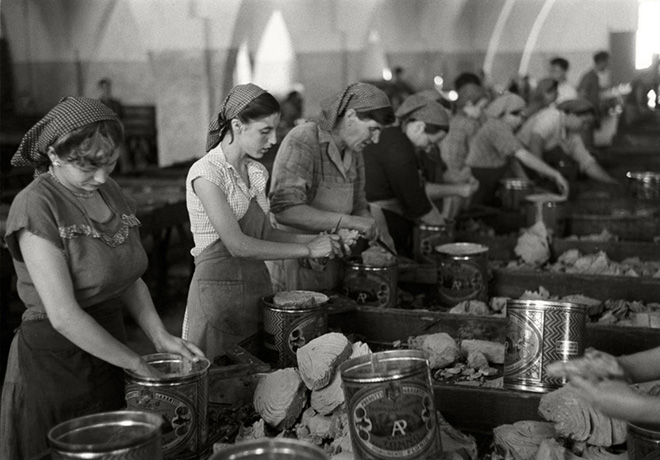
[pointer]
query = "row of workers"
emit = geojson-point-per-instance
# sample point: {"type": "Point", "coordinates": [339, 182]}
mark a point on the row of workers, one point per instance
{"type": "Point", "coordinates": [74, 239]}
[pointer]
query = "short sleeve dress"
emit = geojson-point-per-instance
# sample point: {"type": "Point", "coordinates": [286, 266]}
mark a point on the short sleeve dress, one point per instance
{"type": "Point", "coordinates": [49, 379]}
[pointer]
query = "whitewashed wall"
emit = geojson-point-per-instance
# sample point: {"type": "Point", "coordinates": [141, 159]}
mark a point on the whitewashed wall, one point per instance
{"type": "Point", "coordinates": [178, 54]}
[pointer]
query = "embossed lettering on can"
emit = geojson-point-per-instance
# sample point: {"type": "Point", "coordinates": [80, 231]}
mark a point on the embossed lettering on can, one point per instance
{"type": "Point", "coordinates": [287, 329]}
{"type": "Point", "coordinates": [539, 333]}
{"type": "Point", "coordinates": [462, 273]}
{"type": "Point", "coordinates": [180, 397]}
{"type": "Point", "coordinates": [391, 408]}
{"type": "Point", "coordinates": [426, 237]}
{"type": "Point", "coordinates": [370, 285]}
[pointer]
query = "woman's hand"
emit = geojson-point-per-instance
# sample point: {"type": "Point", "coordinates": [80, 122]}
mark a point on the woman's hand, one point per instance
{"type": "Point", "coordinates": [562, 184]}
{"type": "Point", "coordinates": [178, 346]}
{"type": "Point", "coordinates": [324, 246]}
{"type": "Point", "coordinates": [145, 370]}
{"type": "Point", "coordinates": [365, 225]}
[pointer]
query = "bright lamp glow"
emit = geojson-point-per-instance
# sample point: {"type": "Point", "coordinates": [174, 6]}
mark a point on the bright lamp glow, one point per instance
{"type": "Point", "coordinates": [387, 74]}
{"type": "Point", "coordinates": [438, 80]}
{"type": "Point", "coordinates": [648, 32]}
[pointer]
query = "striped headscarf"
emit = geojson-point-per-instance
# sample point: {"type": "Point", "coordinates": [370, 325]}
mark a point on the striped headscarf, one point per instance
{"type": "Point", "coordinates": [358, 96]}
{"type": "Point", "coordinates": [238, 98]}
{"type": "Point", "coordinates": [69, 113]}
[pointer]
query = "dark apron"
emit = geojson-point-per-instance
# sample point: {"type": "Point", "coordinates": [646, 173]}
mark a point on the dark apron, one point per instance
{"type": "Point", "coordinates": [72, 382]}
{"type": "Point", "coordinates": [226, 291]}
{"type": "Point", "coordinates": [558, 159]}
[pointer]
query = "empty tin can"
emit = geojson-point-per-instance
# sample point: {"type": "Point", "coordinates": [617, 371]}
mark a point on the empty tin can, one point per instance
{"type": "Point", "coordinates": [391, 407]}
{"type": "Point", "coordinates": [462, 273]}
{"type": "Point", "coordinates": [287, 328]}
{"type": "Point", "coordinates": [115, 435]}
{"type": "Point", "coordinates": [540, 332]}
{"type": "Point", "coordinates": [271, 449]}
{"type": "Point", "coordinates": [371, 285]}
{"type": "Point", "coordinates": [426, 237]}
{"type": "Point", "coordinates": [513, 192]}
{"type": "Point", "coordinates": [644, 184]}
{"type": "Point", "coordinates": [180, 398]}
{"type": "Point", "coordinates": [643, 441]}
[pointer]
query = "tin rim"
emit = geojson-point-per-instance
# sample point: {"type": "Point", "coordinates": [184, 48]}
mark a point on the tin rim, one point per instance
{"type": "Point", "coordinates": [547, 305]}
{"type": "Point", "coordinates": [461, 249]}
{"type": "Point", "coordinates": [649, 431]}
{"type": "Point", "coordinates": [517, 184]}
{"type": "Point", "coordinates": [644, 176]}
{"type": "Point", "coordinates": [392, 364]}
{"type": "Point", "coordinates": [267, 301]}
{"type": "Point", "coordinates": [127, 419]}
{"type": "Point", "coordinates": [448, 225]}
{"type": "Point", "coordinates": [545, 198]}
{"type": "Point", "coordinates": [199, 370]}
{"type": "Point", "coordinates": [353, 263]}
{"type": "Point", "coordinates": [267, 448]}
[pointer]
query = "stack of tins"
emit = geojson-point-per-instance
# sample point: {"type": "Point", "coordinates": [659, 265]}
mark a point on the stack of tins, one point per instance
{"type": "Point", "coordinates": [179, 398]}
{"type": "Point", "coordinates": [538, 333]}
{"type": "Point", "coordinates": [462, 273]}
{"type": "Point", "coordinates": [109, 435]}
{"type": "Point", "coordinates": [287, 328]}
{"type": "Point", "coordinates": [390, 405]}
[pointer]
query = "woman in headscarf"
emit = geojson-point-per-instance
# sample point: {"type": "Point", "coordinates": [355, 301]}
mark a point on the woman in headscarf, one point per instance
{"type": "Point", "coordinates": [394, 184]}
{"type": "Point", "coordinates": [74, 240]}
{"type": "Point", "coordinates": [468, 118]}
{"type": "Point", "coordinates": [227, 205]}
{"type": "Point", "coordinates": [318, 178]}
{"type": "Point", "coordinates": [495, 144]}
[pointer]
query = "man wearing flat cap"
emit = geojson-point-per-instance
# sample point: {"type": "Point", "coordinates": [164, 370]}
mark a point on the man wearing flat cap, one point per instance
{"type": "Point", "coordinates": [553, 134]}
{"type": "Point", "coordinates": [394, 185]}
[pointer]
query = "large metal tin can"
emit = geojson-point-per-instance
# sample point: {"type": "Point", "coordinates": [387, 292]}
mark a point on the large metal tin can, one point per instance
{"type": "Point", "coordinates": [288, 328]}
{"type": "Point", "coordinates": [538, 333]}
{"type": "Point", "coordinates": [271, 449]}
{"type": "Point", "coordinates": [180, 397]}
{"type": "Point", "coordinates": [390, 403]}
{"type": "Point", "coordinates": [462, 273]}
{"type": "Point", "coordinates": [371, 285]}
{"type": "Point", "coordinates": [426, 237]}
{"type": "Point", "coordinates": [115, 435]}
{"type": "Point", "coordinates": [513, 192]}
{"type": "Point", "coordinates": [643, 441]}
{"type": "Point", "coordinates": [644, 184]}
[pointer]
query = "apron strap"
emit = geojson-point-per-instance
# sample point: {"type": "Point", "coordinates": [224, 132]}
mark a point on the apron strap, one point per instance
{"type": "Point", "coordinates": [376, 210]}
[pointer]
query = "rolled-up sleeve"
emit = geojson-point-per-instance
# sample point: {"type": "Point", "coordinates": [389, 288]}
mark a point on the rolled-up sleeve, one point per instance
{"type": "Point", "coordinates": [293, 172]}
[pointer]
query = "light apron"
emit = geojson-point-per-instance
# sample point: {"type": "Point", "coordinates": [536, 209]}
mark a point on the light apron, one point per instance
{"type": "Point", "coordinates": [226, 291]}
{"type": "Point", "coordinates": [292, 274]}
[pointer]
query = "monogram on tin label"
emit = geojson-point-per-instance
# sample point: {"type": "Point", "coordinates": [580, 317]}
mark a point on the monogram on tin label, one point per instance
{"type": "Point", "coordinates": [394, 421]}
{"type": "Point", "coordinates": [178, 415]}
{"type": "Point", "coordinates": [460, 280]}
{"type": "Point", "coordinates": [368, 289]}
{"type": "Point", "coordinates": [301, 332]}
